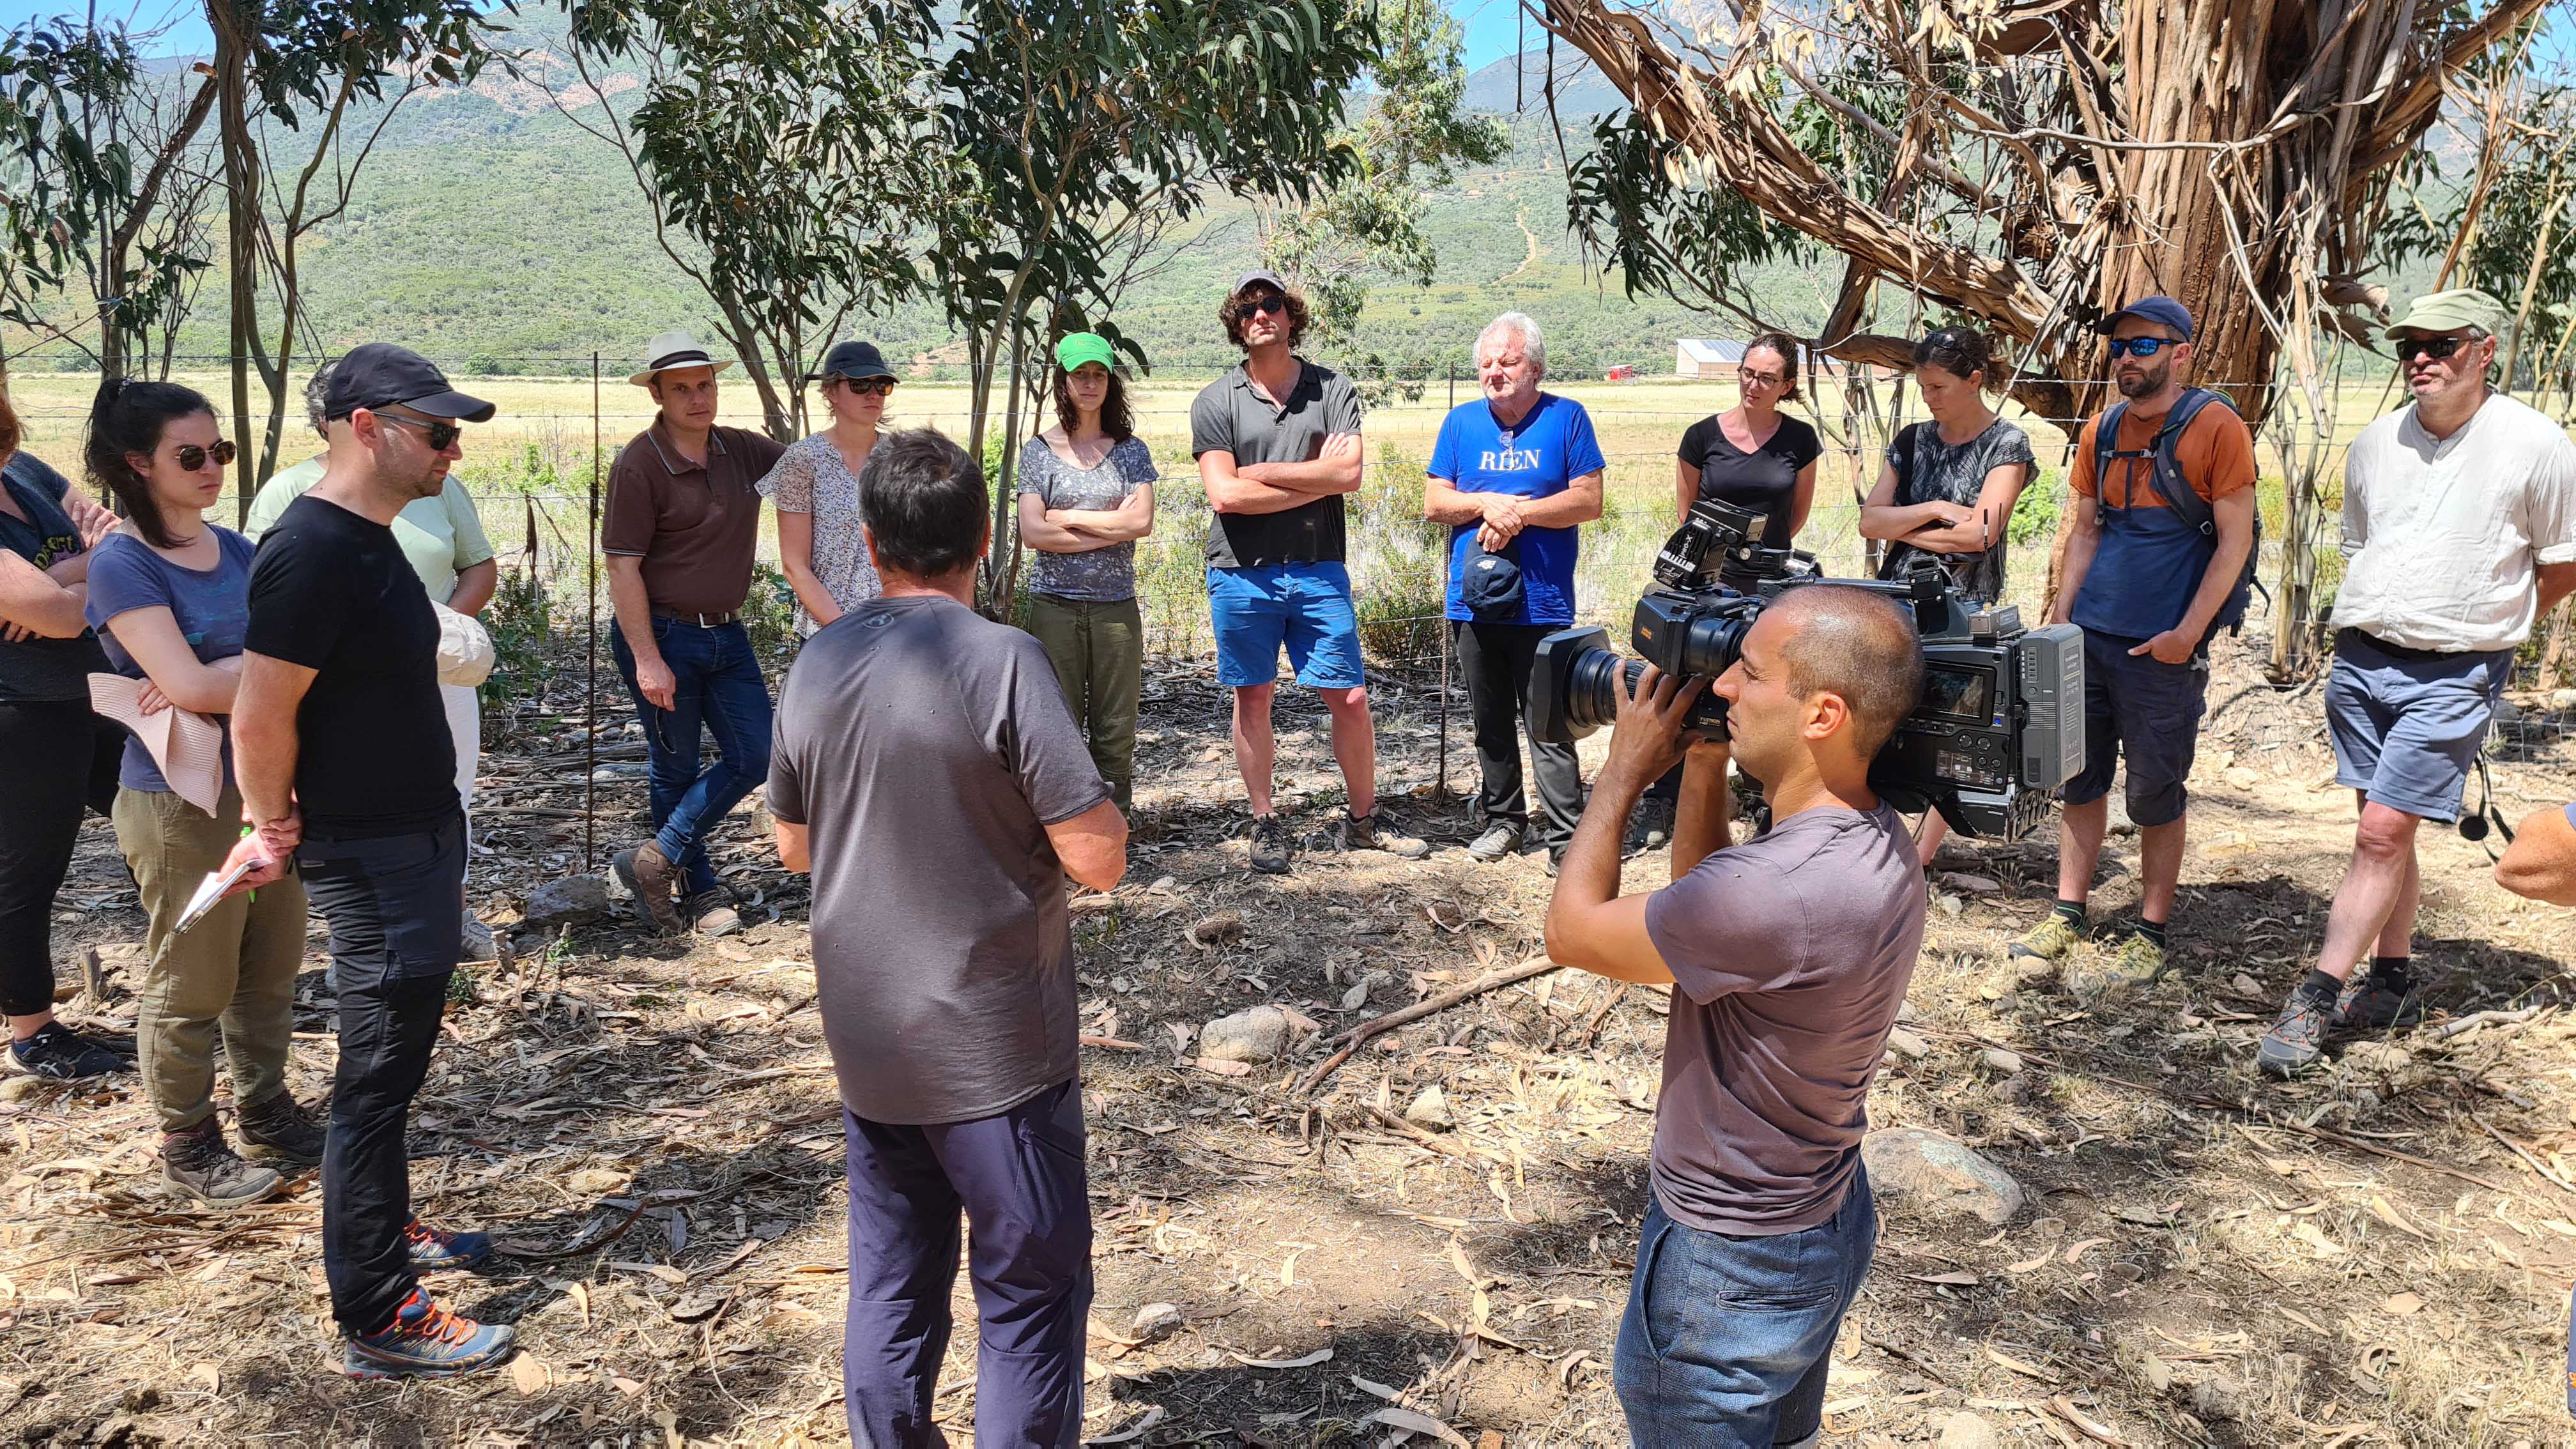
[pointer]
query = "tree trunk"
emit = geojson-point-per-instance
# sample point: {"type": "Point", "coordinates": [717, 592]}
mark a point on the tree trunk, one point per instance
{"type": "Point", "coordinates": [241, 170]}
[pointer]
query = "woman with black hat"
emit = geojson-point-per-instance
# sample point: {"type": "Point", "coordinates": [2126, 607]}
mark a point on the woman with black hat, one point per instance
{"type": "Point", "coordinates": [815, 488]}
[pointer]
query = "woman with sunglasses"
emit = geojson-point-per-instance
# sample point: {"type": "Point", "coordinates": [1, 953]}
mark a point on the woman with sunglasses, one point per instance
{"type": "Point", "coordinates": [170, 596]}
{"type": "Point", "coordinates": [60, 756]}
{"type": "Point", "coordinates": [442, 538]}
{"type": "Point", "coordinates": [1754, 457]}
{"type": "Point", "coordinates": [815, 488]}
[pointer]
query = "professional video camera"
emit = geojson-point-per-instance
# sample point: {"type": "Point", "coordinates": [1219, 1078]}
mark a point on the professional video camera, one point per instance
{"type": "Point", "coordinates": [2001, 724]}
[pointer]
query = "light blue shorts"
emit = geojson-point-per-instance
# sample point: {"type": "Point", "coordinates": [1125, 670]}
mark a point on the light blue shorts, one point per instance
{"type": "Point", "coordinates": [2406, 727]}
{"type": "Point", "coordinates": [1306, 606]}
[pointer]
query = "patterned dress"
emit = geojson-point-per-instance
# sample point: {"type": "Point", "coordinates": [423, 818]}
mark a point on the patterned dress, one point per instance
{"type": "Point", "coordinates": [810, 478]}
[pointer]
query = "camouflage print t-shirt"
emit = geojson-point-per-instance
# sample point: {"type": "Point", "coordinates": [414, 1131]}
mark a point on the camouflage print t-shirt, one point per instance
{"type": "Point", "coordinates": [1102, 575]}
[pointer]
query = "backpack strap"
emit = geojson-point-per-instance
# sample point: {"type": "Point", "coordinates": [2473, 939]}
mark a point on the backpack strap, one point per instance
{"type": "Point", "coordinates": [2106, 437]}
{"type": "Point", "coordinates": [2175, 489]}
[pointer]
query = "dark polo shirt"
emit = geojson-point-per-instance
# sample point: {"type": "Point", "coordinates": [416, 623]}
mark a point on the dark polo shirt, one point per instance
{"type": "Point", "coordinates": [1231, 416]}
{"type": "Point", "coordinates": [694, 525]}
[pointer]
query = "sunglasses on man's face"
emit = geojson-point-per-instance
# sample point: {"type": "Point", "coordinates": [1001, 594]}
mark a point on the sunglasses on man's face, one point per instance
{"type": "Point", "coordinates": [2437, 348]}
{"type": "Point", "coordinates": [2139, 346]}
{"type": "Point", "coordinates": [1269, 305]}
{"type": "Point", "coordinates": [441, 435]}
{"type": "Point", "coordinates": [191, 457]}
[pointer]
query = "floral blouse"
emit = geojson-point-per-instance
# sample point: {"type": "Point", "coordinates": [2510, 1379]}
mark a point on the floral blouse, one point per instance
{"type": "Point", "coordinates": [810, 478]}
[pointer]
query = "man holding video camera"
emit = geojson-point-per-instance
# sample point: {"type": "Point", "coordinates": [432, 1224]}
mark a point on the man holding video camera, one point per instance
{"type": "Point", "coordinates": [1789, 956]}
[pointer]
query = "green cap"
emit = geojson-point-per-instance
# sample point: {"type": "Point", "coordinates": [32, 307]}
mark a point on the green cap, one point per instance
{"type": "Point", "coordinates": [2450, 311]}
{"type": "Point", "coordinates": [1078, 348]}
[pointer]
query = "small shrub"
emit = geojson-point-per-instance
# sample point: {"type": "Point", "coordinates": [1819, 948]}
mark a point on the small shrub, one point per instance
{"type": "Point", "coordinates": [1399, 560]}
{"type": "Point", "coordinates": [2035, 515]}
{"type": "Point", "coordinates": [769, 615]}
{"type": "Point", "coordinates": [521, 623]}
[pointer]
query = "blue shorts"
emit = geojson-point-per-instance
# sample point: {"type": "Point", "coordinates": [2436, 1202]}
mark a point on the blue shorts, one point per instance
{"type": "Point", "coordinates": [2144, 712]}
{"type": "Point", "coordinates": [2406, 728]}
{"type": "Point", "coordinates": [1306, 606]}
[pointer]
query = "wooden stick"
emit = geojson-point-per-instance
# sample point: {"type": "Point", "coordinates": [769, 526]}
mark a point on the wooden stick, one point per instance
{"type": "Point", "coordinates": [1360, 1035]}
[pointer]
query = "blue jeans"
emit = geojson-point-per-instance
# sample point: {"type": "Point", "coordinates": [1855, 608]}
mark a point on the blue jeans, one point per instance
{"type": "Point", "coordinates": [1727, 1340]}
{"type": "Point", "coordinates": [716, 689]}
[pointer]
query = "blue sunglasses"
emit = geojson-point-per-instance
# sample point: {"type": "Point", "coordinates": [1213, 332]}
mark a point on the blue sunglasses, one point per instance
{"type": "Point", "coordinates": [2138, 346]}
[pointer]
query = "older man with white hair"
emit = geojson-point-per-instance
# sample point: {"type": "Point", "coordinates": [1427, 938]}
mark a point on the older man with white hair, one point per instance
{"type": "Point", "coordinates": [1513, 475]}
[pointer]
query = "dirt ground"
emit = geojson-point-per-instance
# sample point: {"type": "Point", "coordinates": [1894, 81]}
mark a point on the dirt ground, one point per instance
{"type": "Point", "coordinates": [2377, 1255]}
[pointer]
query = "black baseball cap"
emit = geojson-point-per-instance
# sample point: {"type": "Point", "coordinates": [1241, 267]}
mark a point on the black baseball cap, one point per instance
{"type": "Point", "coordinates": [853, 360]}
{"type": "Point", "coordinates": [380, 375]}
{"type": "Point", "coordinates": [1259, 277]}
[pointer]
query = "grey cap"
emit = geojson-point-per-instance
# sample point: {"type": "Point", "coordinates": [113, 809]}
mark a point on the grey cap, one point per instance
{"type": "Point", "coordinates": [1258, 274]}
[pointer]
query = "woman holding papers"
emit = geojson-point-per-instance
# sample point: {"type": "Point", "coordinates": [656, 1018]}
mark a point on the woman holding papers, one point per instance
{"type": "Point", "coordinates": [169, 593]}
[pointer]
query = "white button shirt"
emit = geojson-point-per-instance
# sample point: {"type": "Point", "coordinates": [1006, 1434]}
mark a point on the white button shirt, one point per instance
{"type": "Point", "coordinates": [2442, 537]}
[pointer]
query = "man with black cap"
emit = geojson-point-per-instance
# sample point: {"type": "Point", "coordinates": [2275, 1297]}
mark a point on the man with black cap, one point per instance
{"type": "Point", "coordinates": [1277, 441]}
{"type": "Point", "coordinates": [2459, 532]}
{"type": "Point", "coordinates": [682, 522]}
{"type": "Point", "coordinates": [2153, 561]}
{"type": "Point", "coordinates": [347, 769]}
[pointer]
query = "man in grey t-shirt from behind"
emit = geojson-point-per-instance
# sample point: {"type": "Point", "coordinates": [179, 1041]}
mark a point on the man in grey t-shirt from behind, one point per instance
{"type": "Point", "coordinates": [1788, 955]}
{"type": "Point", "coordinates": [928, 774]}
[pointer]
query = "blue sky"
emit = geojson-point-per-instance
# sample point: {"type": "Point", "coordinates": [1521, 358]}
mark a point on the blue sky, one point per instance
{"type": "Point", "coordinates": [1489, 23]}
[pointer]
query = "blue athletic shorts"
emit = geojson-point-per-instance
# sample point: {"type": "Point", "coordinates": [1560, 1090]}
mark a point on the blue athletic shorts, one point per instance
{"type": "Point", "coordinates": [2406, 728]}
{"type": "Point", "coordinates": [2143, 712]}
{"type": "Point", "coordinates": [1306, 606]}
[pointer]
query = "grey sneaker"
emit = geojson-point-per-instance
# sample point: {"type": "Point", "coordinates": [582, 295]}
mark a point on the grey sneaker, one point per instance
{"type": "Point", "coordinates": [2372, 1002]}
{"type": "Point", "coordinates": [276, 1128]}
{"type": "Point", "coordinates": [2296, 1040]}
{"type": "Point", "coordinates": [1374, 831]}
{"type": "Point", "coordinates": [647, 873]}
{"type": "Point", "coordinates": [1269, 845]}
{"type": "Point", "coordinates": [477, 941]}
{"type": "Point", "coordinates": [1653, 827]}
{"type": "Point", "coordinates": [199, 1163]}
{"type": "Point", "coordinates": [712, 913]}
{"type": "Point", "coordinates": [1500, 839]}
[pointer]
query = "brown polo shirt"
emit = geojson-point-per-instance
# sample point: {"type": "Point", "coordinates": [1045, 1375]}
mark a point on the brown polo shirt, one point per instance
{"type": "Point", "coordinates": [694, 525]}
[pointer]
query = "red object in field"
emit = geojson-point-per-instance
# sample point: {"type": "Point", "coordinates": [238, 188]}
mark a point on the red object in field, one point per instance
{"type": "Point", "coordinates": [1621, 374]}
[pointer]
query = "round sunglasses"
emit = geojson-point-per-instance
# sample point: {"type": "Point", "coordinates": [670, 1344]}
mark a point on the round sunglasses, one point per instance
{"type": "Point", "coordinates": [191, 457]}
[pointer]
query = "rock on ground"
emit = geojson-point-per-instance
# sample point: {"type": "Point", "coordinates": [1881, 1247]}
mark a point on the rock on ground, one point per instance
{"type": "Point", "coordinates": [1932, 1173]}
{"type": "Point", "coordinates": [1255, 1034]}
{"type": "Point", "coordinates": [1430, 1108]}
{"type": "Point", "coordinates": [573, 901]}
{"type": "Point", "coordinates": [1964, 1430]}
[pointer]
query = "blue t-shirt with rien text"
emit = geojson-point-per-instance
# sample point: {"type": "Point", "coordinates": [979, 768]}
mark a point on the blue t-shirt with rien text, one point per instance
{"type": "Point", "coordinates": [1546, 450]}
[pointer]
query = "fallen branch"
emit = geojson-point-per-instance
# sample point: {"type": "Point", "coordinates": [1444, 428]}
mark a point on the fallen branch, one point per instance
{"type": "Point", "coordinates": [1592, 1023]}
{"type": "Point", "coordinates": [1360, 1035]}
{"type": "Point", "coordinates": [2476, 1019]}
{"type": "Point", "coordinates": [2528, 1160]}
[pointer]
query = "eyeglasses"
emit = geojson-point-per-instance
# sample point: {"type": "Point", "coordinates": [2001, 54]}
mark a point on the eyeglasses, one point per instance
{"type": "Point", "coordinates": [2410, 348]}
{"type": "Point", "coordinates": [1750, 378]}
{"type": "Point", "coordinates": [2139, 346]}
{"type": "Point", "coordinates": [1267, 304]}
{"type": "Point", "coordinates": [442, 436]}
{"type": "Point", "coordinates": [869, 386]}
{"type": "Point", "coordinates": [192, 457]}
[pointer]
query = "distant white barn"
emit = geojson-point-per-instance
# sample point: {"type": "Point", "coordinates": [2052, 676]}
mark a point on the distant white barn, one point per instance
{"type": "Point", "coordinates": [1706, 357]}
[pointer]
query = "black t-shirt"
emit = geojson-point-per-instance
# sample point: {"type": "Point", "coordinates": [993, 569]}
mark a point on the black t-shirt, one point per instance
{"type": "Point", "coordinates": [332, 592]}
{"type": "Point", "coordinates": [1764, 481]}
{"type": "Point", "coordinates": [43, 669]}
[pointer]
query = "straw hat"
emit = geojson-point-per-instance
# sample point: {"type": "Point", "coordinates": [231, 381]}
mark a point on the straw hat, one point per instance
{"type": "Point", "coordinates": [672, 350]}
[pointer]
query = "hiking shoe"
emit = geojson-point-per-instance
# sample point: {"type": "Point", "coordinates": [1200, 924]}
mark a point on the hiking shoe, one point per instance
{"type": "Point", "coordinates": [276, 1128]}
{"type": "Point", "coordinates": [2139, 962]}
{"type": "Point", "coordinates": [433, 1250]}
{"type": "Point", "coordinates": [199, 1163]}
{"type": "Point", "coordinates": [59, 1054]}
{"type": "Point", "coordinates": [477, 941]}
{"type": "Point", "coordinates": [711, 912]}
{"type": "Point", "coordinates": [1373, 832]}
{"type": "Point", "coordinates": [2048, 940]}
{"type": "Point", "coordinates": [647, 873]}
{"type": "Point", "coordinates": [1653, 827]}
{"type": "Point", "coordinates": [1499, 840]}
{"type": "Point", "coordinates": [2371, 1002]}
{"type": "Point", "coordinates": [426, 1341]}
{"type": "Point", "coordinates": [1269, 845]}
{"type": "Point", "coordinates": [2296, 1041]}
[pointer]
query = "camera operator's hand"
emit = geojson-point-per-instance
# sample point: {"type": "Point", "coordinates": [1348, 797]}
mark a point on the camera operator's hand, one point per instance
{"type": "Point", "coordinates": [1647, 740]}
{"type": "Point", "coordinates": [2173, 646]}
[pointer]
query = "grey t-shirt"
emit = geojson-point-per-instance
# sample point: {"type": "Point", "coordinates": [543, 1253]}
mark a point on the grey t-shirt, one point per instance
{"type": "Point", "coordinates": [1230, 416]}
{"type": "Point", "coordinates": [926, 749]}
{"type": "Point", "coordinates": [1929, 470]}
{"type": "Point", "coordinates": [1099, 575]}
{"type": "Point", "coordinates": [1791, 953]}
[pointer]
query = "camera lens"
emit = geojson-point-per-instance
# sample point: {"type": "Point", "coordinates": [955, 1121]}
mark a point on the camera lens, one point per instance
{"type": "Point", "coordinates": [1712, 643]}
{"type": "Point", "coordinates": [1592, 688]}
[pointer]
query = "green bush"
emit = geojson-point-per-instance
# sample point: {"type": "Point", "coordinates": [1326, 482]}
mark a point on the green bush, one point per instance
{"type": "Point", "coordinates": [2035, 515]}
{"type": "Point", "coordinates": [521, 622]}
{"type": "Point", "coordinates": [769, 615]}
{"type": "Point", "coordinates": [1399, 559]}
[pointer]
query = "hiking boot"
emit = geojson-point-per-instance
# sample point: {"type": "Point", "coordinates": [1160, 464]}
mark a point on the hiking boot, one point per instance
{"type": "Point", "coordinates": [1373, 832]}
{"type": "Point", "coordinates": [2372, 1002]}
{"type": "Point", "coordinates": [426, 1341]}
{"type": "Point", "coordinates": [433, 1250]}
{"type": "Point", "coordinates": [59, 1054]}
{"type": "Point", "coordinates": [2049, 940]}
{"type": "Point", "coordinates": [276, 1128]}
{"type": "Point", "coordinates": [1269, 845]}
{"type": "Point", "coordinates": [647, 873]}
{"type": "Point", "coordinates": [2296, 1041]}
{"type": "Point", "coordinates": [1500, 839]}
{"type": "Point", "coordinates": [2139, 962]}
{"type": "Point", "coordinates": [199, 1163]}
{"type": "Point", "coordinates": [711, 912]}
{"type": "Point", "coordinates": [1653, 827]}
{"type": "Point", "coordinates": [1555, 862]}
{"type": "Point", "coordinates": [477, 941]}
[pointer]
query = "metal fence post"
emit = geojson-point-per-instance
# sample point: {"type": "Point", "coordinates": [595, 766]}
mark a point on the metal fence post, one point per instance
{"type": "Point", "coordinates": [1440, 792]}
{"type": "Point", "coordinates": [590, 655]}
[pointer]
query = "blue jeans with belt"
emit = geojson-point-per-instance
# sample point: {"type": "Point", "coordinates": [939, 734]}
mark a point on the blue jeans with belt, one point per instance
{"type": "Point", "coordinates": [716, 689]}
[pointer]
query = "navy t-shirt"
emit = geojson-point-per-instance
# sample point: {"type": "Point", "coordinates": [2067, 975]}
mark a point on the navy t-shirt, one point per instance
{"type": "Point", "coordinates": [35, 670]}
{"type": "Point", "coordinates": [1550, 447]}
{"type": "Point", "coordinates": [210, 606]}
